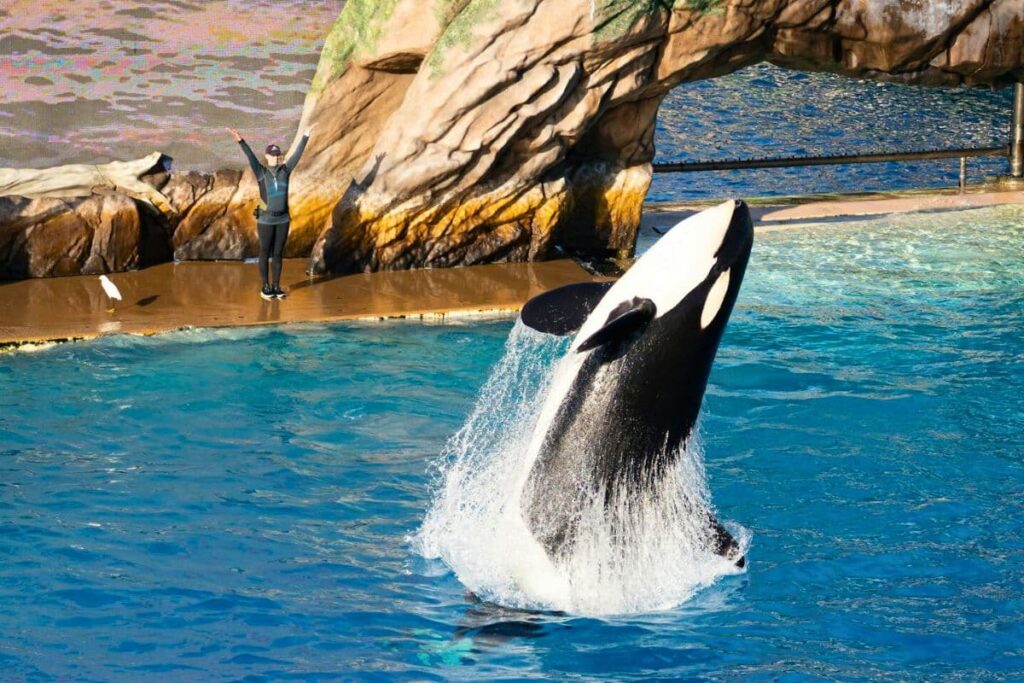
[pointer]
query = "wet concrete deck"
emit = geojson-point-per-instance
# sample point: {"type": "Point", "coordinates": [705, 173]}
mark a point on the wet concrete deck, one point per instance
{"type": "Point", "coordinates": [217, 294]}
{"type": "Point", "coordinates": [795, 211]}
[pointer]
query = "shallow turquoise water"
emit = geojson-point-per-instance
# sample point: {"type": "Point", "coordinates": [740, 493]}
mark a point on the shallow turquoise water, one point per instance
{"type": "Point", "coordinates": [236, 505]}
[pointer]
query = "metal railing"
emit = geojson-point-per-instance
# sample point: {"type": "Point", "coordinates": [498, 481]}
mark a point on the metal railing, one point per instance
{"type": "Point", "coordinates": [783, 162]}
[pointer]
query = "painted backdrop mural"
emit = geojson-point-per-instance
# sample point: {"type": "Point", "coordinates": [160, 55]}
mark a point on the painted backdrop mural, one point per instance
{"type": "Point", "coordinates": [102, 79]}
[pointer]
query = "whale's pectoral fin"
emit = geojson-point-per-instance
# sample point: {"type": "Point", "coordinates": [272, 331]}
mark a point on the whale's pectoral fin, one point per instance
{"type": "Point", "coordinates": [563, 310]}
{"type": "Point", "coordinates": [725, 545]}
{"type": "Point", "coordinates": [625, 320]}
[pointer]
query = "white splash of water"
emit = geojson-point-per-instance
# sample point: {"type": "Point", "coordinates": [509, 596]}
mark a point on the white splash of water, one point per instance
{"type": "Point", "coordinates": [629, 556]}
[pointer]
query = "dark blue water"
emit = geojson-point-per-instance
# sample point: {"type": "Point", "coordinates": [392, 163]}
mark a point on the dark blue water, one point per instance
{"type": "Point", "coordinates": [765, 111]}
{"type": "Point", "coordinates": [207, 506]}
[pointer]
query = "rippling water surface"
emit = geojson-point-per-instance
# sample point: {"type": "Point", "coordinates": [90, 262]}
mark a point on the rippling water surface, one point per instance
{"type": "Point", "coordinates": [93, 80]}
{"type": "Point", "coordinates": [765, 111]}
{"type": "Point", "coordinates": [237, 504]}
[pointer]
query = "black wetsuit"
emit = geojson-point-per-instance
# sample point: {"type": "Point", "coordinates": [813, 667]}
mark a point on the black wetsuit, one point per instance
{"type": "Point", "coordinates": [273, 221]}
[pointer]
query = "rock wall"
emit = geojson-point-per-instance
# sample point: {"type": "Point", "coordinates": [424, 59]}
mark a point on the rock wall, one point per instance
{"type": "Point", "coordinates": [50, 236]}
{"type": "Point", "coordinates": [455, 132]}
{"type": "Point", "coordinates": [528, 128]}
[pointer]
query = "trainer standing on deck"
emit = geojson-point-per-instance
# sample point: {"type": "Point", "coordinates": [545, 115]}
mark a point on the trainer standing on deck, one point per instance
{"type": "Point", "coordinates": [272, 218]}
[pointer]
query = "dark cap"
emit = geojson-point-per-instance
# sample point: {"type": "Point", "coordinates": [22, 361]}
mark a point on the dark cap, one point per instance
{"type": "Point", "coordinates": [274, 150]}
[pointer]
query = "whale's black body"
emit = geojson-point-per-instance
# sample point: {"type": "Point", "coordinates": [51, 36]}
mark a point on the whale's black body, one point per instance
{"type": "Point", "coordinates": [644, 354]}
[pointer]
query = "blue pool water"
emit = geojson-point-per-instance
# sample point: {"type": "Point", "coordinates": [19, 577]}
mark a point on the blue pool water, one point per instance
{"type": "Point", "coordinates": [240, 505]}
{"type": "Point", "coordinates": [766, 111]}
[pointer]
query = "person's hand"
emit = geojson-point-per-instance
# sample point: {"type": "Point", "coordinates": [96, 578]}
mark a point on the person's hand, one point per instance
{"type": "Point", "coordinates": [236, 134]}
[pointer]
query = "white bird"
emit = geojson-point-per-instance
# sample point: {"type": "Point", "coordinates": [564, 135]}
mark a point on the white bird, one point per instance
{"type": "Point", "coordinates": [111, 290]}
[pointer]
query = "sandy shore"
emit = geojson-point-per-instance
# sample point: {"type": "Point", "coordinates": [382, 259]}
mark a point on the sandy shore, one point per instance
{"type": "Point", "coordinates": [225, 293]}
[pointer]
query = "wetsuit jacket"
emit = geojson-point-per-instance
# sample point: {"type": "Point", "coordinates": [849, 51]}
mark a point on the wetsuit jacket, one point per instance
{"type": "Point", "coordinates": [274, 183]}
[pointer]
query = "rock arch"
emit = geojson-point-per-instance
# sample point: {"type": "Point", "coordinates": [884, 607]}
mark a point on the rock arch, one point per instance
{"type": "Point", "coordinates": [525, 127]}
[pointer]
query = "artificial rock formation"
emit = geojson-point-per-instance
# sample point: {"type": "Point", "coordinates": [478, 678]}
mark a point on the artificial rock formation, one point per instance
{"type": "Point", "coordinates": [81, 218]}
{"type": "Point", "coordinates": [50, 236]}
{"type": "Point", "coordinates": [87, 219]}
{"type": "Point", "coordinates": [455, 132]}
{"type": "Point", "coordinates": [82, 180]}
{"type": "Point", "coordinates": [528, 125]}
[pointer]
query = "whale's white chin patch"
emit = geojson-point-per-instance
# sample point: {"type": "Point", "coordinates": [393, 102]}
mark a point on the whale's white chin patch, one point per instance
{"type": "Point", "coordinates": [713, 303]}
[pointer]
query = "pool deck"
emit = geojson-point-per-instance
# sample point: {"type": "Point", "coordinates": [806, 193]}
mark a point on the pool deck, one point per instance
{"type": "Point", "coordinates": [774, 214]}
{"type": "Point", "coordinates": [225, 293]}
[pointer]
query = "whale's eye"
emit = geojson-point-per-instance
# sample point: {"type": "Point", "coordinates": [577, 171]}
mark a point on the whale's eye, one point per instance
{"type": "Point", "coordinates": [713, 302]}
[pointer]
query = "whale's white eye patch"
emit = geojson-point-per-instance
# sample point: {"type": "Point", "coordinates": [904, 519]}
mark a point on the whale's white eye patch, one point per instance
{"type": "Point", "coordinates": [713, 303]}
{"type": "Point", "coordinates": [677, 264]}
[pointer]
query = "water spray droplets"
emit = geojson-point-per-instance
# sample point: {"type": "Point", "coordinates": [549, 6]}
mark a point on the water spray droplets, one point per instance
{"type": "Point", "coordinates": [628, 556]}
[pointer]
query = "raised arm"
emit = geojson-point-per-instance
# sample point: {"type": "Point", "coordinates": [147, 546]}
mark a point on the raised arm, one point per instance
{"type": "Point", "coordinates": [254, 163]}
{"type": "Point", "coordinates": [294, 158]}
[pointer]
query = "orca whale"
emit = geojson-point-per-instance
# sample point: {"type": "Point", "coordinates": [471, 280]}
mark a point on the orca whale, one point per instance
{"type": "Point", "coordinates": [617, 417]}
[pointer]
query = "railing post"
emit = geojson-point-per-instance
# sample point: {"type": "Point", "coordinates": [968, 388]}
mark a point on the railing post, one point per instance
{"type": "Point", "coordinates": [1017, 136]}
{"type": "Point", "coordinates": [963, 174]}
